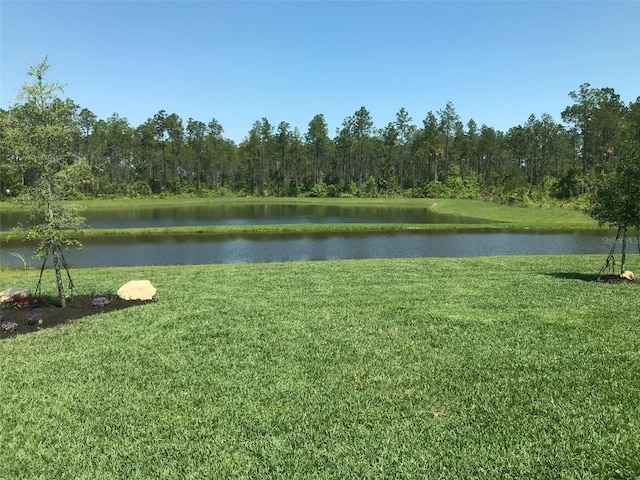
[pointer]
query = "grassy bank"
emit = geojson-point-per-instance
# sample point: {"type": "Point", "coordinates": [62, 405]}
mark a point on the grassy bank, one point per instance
{"type": "Point", "coordinates": [511, 367]}
{"type": "Point", "coordinates": [526, 217]}
{"type": "Point", "coordinates": [522, 216]}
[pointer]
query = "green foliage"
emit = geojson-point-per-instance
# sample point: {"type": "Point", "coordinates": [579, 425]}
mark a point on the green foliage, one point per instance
{"type": "Point", "coordinates": [472, 185]}
{"type": "Point", "coordinates": [290, 188]}
{"type": "Point", "coordinates": [10, 180]}
{"type": "Point", "coordinates": [350, 190]}
{"type": "Point", "coordinates": [454, 180]}
{"type": "Point", "coordinates": [77, 178]}
{"type": "Point", "coordinates": [40, 131]}
{"type": "Point", "coordinates": [332, 191]}
{"type": "Point", "coordinates": [370, 187]}
{"type": "Point", "coordinates": [436, 189]}
{"type": "Point", "coordinates": [569, 185]}
{"type": "Point", "coordinates": [616, 202]}
{"type": "Point", "coordinates": [180, 186]}
{"type": "Point", "coordinates": [442, 158]}
{"type": "Point", "coordinates": [23, 260]}
{"type": "Point", "coordinates": [138, 188]}
{"type": "Point", "coordinates": [597, 115]}
{"type": "Point", "coordinates": [319, 190]}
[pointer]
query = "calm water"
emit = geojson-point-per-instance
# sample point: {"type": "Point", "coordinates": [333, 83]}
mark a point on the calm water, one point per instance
{"type": "Point", "coordinates": [249, 215]}
{"type": "Point", "coordinates": [190, 250]}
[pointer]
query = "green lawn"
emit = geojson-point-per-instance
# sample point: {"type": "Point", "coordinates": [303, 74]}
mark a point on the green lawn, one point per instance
{"type": "Point", "coordinates": [521, 217]}
{"type": "Point", "coordinates": [501, 367]}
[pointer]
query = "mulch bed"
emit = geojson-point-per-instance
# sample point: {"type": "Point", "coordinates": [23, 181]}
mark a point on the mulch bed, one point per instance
{"type": "Point", "coordinates": [616, 279]}
{"type": "Point", "coordinates": [53, 314]}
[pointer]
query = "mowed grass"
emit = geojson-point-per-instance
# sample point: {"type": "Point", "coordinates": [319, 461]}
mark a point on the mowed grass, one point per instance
{"type": "Point", "coordinates": [518, 217]}
{"type": "Point", "coordinates": [501, 367]}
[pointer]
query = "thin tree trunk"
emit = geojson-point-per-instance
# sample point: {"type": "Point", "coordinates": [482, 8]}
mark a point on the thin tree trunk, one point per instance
{"type": "Point", "coordinates": [624, 250]}
{"type": "Point", "coordinates": [56, 267]}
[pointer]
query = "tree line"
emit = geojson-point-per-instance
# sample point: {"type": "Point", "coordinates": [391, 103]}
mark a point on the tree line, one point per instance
{"type": "Point", "coordinates": [440, 156]}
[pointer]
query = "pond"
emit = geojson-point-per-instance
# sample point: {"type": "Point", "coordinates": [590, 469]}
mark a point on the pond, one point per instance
{"type": "Point", "coordinates": [192, 249]}
{"type": "Point", "coordinates": [252, 214]}
{"type": "Point", "coordinates": [202, 249]}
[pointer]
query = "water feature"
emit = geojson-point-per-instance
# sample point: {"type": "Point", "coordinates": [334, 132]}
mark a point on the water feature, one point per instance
{"type": "Point", "coordinates": [252, 214]}
{"type": "Point", "coordinates": [203, 249]}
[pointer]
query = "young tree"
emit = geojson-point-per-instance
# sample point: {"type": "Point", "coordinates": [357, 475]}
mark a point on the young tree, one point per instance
{"type": "Point", "coordinates": [40, 131]}
{"type": "Point", "coordinates": [616, 202]}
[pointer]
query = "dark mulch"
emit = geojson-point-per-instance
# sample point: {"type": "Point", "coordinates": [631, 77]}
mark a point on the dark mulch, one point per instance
{"type": "Point", "coordinates": [616, 279]}
{"type": "Point", "coordinates": [53, 314]}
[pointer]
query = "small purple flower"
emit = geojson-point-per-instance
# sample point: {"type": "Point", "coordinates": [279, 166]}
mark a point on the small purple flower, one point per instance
{"type": "Point", "coordinates": [8, 326]}
{"type": "Point", "coordinates": [34, 318]}
{"type": "Point", "coordinates": [99, 301]}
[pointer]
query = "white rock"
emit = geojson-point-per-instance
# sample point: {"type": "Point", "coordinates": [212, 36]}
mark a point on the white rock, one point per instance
{"type": "Point", "coordinates": [14, 293]}
{"type": "Point", "coordinates": [628, 274]}
{"type": "Point", "coordinates": [137, 290]}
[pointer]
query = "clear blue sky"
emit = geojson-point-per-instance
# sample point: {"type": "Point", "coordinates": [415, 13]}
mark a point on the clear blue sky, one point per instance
{"type": "Point", "coordinates": [497, 62]}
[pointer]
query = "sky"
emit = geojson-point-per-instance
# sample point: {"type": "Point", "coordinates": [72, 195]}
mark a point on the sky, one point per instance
{"type": "Point", "coordinates": [241, 61]}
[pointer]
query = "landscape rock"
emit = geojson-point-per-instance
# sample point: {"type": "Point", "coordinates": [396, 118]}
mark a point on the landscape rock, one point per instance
{"type": "Point", "coordinates": [14, 293]}
{"type": "Point", "coordinates": [628, 274]}
{"type": "Point", "coordinates": [137, 290]}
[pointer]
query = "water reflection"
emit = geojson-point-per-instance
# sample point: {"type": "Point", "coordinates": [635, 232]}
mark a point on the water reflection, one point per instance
{"type": "Point", "coordinates": [252, 214]}
{"type": "Point", "coordinates": [190, 250]}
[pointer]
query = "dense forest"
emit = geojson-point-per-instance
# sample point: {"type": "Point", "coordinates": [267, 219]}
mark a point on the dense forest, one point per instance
{"type": "Point", "coordinates": [539, 162]}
